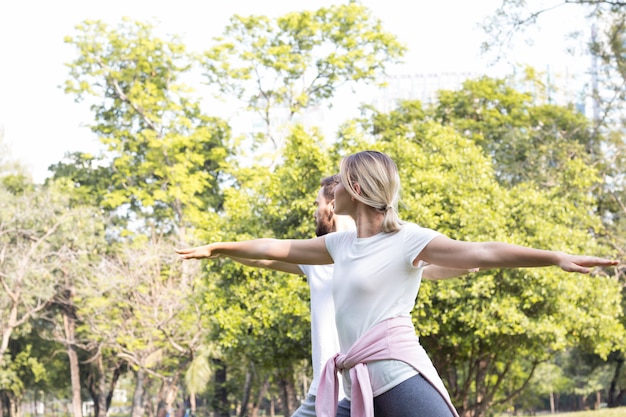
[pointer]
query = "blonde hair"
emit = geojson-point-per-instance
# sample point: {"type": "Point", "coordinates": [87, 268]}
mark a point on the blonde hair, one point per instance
{"type": "Point", "coordinates": [378, 179]}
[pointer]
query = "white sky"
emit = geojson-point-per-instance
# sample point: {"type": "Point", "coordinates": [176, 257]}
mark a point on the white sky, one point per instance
{"type": "Point", "coordinates": [41, 123]}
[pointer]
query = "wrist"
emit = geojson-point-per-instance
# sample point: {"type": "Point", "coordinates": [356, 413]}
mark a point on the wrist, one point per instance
{"type": "Point", "coordinates": [213, 249]}
{"type": "Point", "coordinates": [558, 258]}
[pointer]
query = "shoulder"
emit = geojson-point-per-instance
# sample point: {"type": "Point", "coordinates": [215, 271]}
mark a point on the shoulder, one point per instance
{"type": "Point", "coordinates": [412, 231]}
{"type": "Point", "coordinates": [340, 236]}
{"type": "Point", "coordinates": [339, 239]}
{"type": "Point", "coordinates": [413, 228]}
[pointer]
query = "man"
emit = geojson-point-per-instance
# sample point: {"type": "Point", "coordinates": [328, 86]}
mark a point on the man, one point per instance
{"type": "Point", "coordinates": [324, 339]}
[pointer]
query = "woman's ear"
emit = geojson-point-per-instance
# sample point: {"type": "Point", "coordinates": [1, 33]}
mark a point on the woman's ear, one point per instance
{"type": "Point", "coordinates": [357, 188]}
{"type": "Point", "coordinates": [331, 204]}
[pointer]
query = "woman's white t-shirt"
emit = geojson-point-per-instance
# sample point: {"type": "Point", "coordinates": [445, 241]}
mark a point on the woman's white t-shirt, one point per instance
{"type": "Point", "coordinates": [374, 279]}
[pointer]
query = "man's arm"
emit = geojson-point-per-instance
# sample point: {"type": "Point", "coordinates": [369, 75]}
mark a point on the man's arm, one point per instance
{"type": "Point", "coordinates": [436, 272]}
{"type": "Point", "coordinates": [267, 264]}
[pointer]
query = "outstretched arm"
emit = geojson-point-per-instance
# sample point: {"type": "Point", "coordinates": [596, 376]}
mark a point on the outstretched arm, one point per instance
{"type": "Point", "coordinates": [485, 255]}
{"type": "Point", "coordinates": [436, 272]}
{"type": "Point", "coordinates": [268, 264]}
{"type": "Point", "coordinates": [308, 251]}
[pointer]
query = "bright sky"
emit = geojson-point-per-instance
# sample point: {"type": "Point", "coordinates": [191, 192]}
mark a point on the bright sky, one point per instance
{"type": "Point", "coordinates": [41, 123]}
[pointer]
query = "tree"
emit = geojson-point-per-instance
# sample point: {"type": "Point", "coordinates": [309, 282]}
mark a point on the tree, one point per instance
{"type": "Point", "coordinates": [298, 60]}
{"type": "Point", "coordinates": [162, 152]}
{"type": "Point", "coordinates": [527, 139]}
{"type": "Point", "coordinates": [549, 379]}
{"type": "Point", "coordinates": [607, 21]}
{"type": "Point", "coordinates": [142, 309]}
{"type": "Point", "coordinates": [41, 236]}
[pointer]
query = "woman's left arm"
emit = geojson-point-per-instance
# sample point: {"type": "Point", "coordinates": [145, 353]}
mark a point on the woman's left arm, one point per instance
{"type": "Point", "coordinates": [485, 255]}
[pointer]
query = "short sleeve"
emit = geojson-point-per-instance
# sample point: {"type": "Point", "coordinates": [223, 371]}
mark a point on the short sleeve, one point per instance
{"type": "Point", "coordinates": [335, 240]}
{"type": "Point", "coordinates": [416, 238]}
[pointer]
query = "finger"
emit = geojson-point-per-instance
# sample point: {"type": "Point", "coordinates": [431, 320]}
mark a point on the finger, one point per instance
{"type": "Point", "coordinates": [581, 270]}
{"type": "Point", "coordinates": [597, 262]}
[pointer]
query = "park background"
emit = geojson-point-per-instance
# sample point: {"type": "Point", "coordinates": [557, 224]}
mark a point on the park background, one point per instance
{"type": "Point", "coordinates": [122, 142]}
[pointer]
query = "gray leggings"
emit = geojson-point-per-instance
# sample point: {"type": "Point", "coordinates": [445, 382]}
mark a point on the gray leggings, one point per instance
{"type": "Point", "coordinates": [414, 397]}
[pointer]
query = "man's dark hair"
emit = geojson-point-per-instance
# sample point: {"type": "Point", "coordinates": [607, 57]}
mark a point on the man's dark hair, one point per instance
{"type": "Point", "coordinates": [328, 184]}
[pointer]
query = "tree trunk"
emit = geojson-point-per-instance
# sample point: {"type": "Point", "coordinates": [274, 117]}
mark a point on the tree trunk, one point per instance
{"type": "Point", "coordinates": [480, 406]}
{"type": "Point", "coordinates": [116, 376]}
{"type": "Point", "coordinates": [100, 401]}
{"type": "Point", "coordinates": [149, 409]}
{"type": "Point", "coordinates": [10, 323]}
{"type": "Point", "coordinates": [137, 407]}
{"type": "Point", "coordinates": [616, 398]}
{"type": "Point", "coordinates": [287, 392]}
{"type": "Point", "coordinates": [556, 402]}
{"type": "Point", "coordinates": [247, 386]}
{"type": "Point", "coordinates": [220, 405]}
{"type": "Point", "coordinates": [11, 404]}
{"type": "Point", "coordinates": [552, 410]}
{"type": "Point", "coordinates": [262, 392]}
{"type": "Point", "coordinates": [101, 392]}
{"type": "Point", "coordinates": [69, 325]}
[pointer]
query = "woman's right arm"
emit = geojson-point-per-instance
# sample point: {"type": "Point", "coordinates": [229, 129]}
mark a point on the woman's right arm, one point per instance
{"type": "Point", "coordinates": [307, 251]}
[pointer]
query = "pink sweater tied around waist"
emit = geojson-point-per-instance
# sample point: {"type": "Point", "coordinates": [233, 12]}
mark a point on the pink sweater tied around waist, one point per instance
{"type": "Point", "coordinates": [393, 338]}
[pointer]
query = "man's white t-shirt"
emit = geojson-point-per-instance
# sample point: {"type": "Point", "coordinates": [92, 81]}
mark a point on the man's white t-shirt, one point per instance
{"type": "Point", "coordinates": [374, 279]}
{"type": "Point", "coordinates": [324, 340]}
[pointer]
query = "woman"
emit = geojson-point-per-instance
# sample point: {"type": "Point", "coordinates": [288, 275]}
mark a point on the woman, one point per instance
{"type": "Point", "coordinates": [377, 274]}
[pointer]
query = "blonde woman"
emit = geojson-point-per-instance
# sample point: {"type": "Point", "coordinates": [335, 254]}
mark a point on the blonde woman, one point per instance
{"type": "Point", "coordinates": [377, 273]}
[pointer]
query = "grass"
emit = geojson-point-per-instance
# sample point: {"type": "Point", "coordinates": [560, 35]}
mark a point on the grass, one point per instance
{"type": "Point", "coordinates": [604, 412]}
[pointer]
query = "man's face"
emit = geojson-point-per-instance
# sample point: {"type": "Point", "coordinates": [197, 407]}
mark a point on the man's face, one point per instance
{"type": "Point", "coordinates": [323, 215]}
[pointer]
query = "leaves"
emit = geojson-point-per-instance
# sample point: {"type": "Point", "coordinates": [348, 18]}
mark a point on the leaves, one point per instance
{"type": "Point", "coordinates": [163, 154]}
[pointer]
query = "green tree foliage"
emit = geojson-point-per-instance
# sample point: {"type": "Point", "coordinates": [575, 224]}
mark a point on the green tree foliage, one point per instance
{"type": "Point", "coordinates": [37, 237]}
{"type": "Point", "coordinates": [549, 380]}
{"type": "Point", "coordinates": [528, 141]}
{"type": "Point", "coordinates": [300, 59]}
{"type": "Point", "coordinates": [160, 171]}
{"type": "Point", "coordinates": [607, 25]}
{"type": "Point", "coordinates": [560, 152]}
{"type": "Point", "coordinates": [141, 309]}
{"type": "Point", "coordinates": [42, 239]}
{"type": "Point", "coordinates": [162, 152]}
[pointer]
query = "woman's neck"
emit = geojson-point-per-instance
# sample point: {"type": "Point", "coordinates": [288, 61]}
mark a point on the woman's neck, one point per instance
{"type": "Point", "coordinates": [342, 222]}
{"type": "Point", "coordinates": [369, 221]}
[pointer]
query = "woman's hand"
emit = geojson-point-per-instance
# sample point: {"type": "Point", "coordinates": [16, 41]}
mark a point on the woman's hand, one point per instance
{"type": "Point", "coordinates": [199, 252]}
{"type": "Point", "coordinates": [582, 263]}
